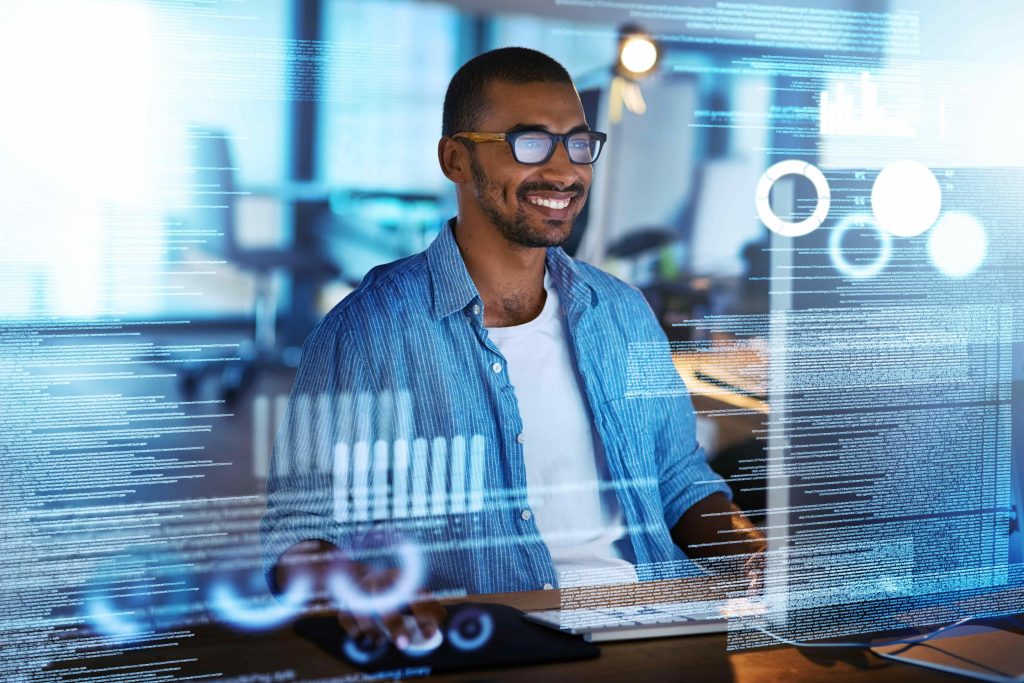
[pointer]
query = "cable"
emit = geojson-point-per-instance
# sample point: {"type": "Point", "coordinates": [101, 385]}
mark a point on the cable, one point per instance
{"type": "Point", "coordinates": [906, 641]}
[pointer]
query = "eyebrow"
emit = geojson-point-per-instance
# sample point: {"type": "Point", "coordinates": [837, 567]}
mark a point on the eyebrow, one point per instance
{"type": "Point", "coordinates": [540, 126]}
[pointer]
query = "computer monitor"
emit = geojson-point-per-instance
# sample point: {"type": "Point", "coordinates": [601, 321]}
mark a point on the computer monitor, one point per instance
{"type": "Point", "coordinates": [622, 200]}
{"type": "Point", "coordinates": [896, 434]}
{"type": "Point", "coordinates": [722, 226]}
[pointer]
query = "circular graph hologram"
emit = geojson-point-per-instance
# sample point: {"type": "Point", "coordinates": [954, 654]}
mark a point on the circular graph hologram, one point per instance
{"type": "Point", "coordinates": [764, 207]}
{"type": "Point", "coordinates": [858, 270]}
{"type": "Point", "coordinates": [364, 649]}
{"type": "Point", "coordinates": [353, 598]}
{"type": "Point", "coordinates": [470, 629]}
{"type": "Point", "coordinates": [957, 244]}
{"type": "Point", "coordinates": [906, 198]}
{"type": "Point", "coordinates": [263, 612]}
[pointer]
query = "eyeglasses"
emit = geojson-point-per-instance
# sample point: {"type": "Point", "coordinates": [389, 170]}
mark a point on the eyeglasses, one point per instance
{"type": "Point", "coordinates": [537, 146]}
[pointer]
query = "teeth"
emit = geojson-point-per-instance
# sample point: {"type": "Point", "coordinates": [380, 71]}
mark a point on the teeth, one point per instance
{"type": "Point", "coordinates": [550, 203]}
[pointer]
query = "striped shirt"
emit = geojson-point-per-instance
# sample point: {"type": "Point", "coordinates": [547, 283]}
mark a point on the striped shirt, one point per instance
{"type": "Point", "coordinates": [403, 424]}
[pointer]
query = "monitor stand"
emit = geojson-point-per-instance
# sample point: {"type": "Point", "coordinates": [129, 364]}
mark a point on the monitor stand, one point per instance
{"type": "Point", "coordinates": [981, 652]}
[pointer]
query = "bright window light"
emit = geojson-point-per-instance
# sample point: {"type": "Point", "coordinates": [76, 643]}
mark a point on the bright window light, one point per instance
{"type": "Point", "coordinates": [76, 108]}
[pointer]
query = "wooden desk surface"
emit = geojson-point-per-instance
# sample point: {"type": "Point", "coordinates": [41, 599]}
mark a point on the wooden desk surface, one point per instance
{"type": "Point", "coordinates": [280, 655]}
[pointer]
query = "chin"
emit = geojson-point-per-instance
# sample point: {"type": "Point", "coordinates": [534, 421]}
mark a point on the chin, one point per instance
{"type": "Point", "coordinates": [557, 233]}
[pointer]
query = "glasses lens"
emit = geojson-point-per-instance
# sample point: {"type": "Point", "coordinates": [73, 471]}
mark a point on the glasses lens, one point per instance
{"type": "Point", "coordinates": [583, 148]}
{"type": "Point", "coordinates": [532, 148]}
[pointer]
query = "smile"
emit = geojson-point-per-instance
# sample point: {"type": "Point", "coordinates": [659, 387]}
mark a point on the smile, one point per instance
{"type": "Point", "coordinates": [549, 203]}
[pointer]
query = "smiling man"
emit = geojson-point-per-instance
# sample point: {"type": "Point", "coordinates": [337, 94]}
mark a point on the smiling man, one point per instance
{"type": "Point", "coordinates": [479, 399]}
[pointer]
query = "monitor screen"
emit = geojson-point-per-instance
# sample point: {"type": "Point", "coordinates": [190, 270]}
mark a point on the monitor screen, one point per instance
{"type": "Point", "coordinates": [895, 433]}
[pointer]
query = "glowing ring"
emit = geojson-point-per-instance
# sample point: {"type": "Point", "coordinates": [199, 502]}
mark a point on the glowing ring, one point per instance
{"type": "Point", "coordinates": [118, 603]}
{"type": "Point", "coordinates": [483, 619]}
{"type": "Point", "coordinates": [107, 620]}
{"type": "Point", "coordinates": [236, 611]}
{"type": "Point", "coordinates": [357, 652]}
{"type": "Point", "coordinates": [764, 207]}
{"type": "Point", "coordinates": [835, 247]}
{"type": "Point", "coordinates": [424, 648]}
{"type": "Point", "coordinates": [354, 599]}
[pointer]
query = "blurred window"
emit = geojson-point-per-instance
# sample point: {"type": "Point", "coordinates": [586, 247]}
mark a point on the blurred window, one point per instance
{"type": "Point", "coordinates": [380, 110]}
{"type": "Point", "coordinates": [95, 149]}
{"type": "Point", "coordinates": [581, 48]}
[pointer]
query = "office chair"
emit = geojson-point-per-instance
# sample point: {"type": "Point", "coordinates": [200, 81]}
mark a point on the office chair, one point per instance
{"type": "Point", "coordinates": [215, 209]}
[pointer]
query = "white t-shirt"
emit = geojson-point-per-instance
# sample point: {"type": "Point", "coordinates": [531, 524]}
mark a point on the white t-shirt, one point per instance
{"type": "Point", "coordinates": [575, 509]}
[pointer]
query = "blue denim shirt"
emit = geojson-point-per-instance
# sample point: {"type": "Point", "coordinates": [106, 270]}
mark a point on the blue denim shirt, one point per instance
{"type": "Point", "coordinates": [402, 418]}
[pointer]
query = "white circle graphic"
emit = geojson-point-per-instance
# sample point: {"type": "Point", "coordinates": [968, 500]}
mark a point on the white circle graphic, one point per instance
{"type": "Point", "coordinates": [352, 597]}
{"type": "Point", "coordinates": [858, 270]}
{"type": "Point", "coordinates": [906, 198]}
{"type": "Point", "coordinates": [957, 245]}
{"type": "Point", "coordinates": [764, 207]}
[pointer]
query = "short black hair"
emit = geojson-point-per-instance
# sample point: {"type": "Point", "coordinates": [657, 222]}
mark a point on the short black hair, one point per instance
{"type": "Point", "coordinates": [466, 97]}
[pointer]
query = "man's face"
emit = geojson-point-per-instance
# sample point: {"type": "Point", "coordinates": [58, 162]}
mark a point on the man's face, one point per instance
{"type": "Point", "coordinates": [512, 195]}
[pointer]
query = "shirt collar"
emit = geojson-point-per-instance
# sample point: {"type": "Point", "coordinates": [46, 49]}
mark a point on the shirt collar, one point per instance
{"type": "Point", "coordinates": [453, 289]}
{"type": "Point", "coordinates": [451, 286]}
{"type": "Point", "coordinates": [571, 283]}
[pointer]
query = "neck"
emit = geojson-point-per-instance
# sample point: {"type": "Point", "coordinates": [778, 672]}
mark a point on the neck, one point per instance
{"type": "Point", "coordinates": [509, 277]}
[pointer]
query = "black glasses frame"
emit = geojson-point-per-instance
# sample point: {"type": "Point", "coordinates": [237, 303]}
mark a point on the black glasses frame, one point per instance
{"type": "Point", "coordinates": [555, 138]}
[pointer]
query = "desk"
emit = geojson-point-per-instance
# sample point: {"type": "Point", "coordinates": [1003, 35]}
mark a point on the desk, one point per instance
{"type": "Point", "coordinates": [280, 655]}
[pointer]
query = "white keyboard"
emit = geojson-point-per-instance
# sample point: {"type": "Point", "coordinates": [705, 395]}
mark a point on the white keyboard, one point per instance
{"type": "Point", "coordinates": [635, 622]}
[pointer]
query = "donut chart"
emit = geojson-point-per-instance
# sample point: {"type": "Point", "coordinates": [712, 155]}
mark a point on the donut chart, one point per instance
{"type": "Point", "coordinates": [764, 187]}
{"type": "Point", "coordinates": [858, 270]}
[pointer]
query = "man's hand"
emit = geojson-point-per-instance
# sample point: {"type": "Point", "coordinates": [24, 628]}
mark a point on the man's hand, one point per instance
{"type": "Point", "coordinates": [714, 529]}
{"type": "Point", "coordinates": [319, 560]}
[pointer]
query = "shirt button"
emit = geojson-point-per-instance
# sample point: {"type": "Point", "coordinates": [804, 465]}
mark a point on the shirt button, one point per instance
{"type": "Point", "coordinates": [496, 367]}
{"type": "Point", "coordinates": [548, 586]}
{"type": "Point", "coordinates": [526, 515]}
{"type": "Point", "coordinates": [476, 309]}
{"type": "Point", "coordinates": [520, 438]}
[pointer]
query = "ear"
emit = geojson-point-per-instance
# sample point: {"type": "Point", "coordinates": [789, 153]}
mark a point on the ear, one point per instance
{"type": "Point", "coordinates": [454, 159]}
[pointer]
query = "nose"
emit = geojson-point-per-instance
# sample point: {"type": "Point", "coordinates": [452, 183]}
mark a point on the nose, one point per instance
{"type": "Point", "coordinates": [559, 169]}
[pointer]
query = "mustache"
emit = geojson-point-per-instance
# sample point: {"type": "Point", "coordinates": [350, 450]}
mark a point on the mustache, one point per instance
{"type": "Point", "coordinates": [527, 188]}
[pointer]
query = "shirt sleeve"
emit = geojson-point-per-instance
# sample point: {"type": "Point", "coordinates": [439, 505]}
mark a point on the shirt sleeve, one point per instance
{"type": "Point", "coordinates": [684, 476]}
{"type": "Point", "coordinates": [300, 485]}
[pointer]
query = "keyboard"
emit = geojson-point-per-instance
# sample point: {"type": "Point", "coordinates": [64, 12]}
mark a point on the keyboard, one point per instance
{"type": "Point", "coordinates": [602, 624]}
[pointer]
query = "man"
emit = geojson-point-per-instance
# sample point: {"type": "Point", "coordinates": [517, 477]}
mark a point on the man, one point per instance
{"type": "Point", "coordinates": [472, 399]}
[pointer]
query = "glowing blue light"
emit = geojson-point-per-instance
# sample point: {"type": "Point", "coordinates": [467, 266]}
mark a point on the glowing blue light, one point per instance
{"type": "Point", "coordinates": [242, 613]}
{"type": "Point", "coordinates": [835, 249]}
{"type": "Point", "coordinates": [354, 599]}
{"type": "Point", "coordinates": [363, 650]}
{"type": "Point", "coordinates": [109, 621]}
{"type": "Point", "coordinates": [957, 245]}
{"type": "Point", "coordinates": [420, 646]}
{"type": "Point", "coordinates": [483, 623]}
